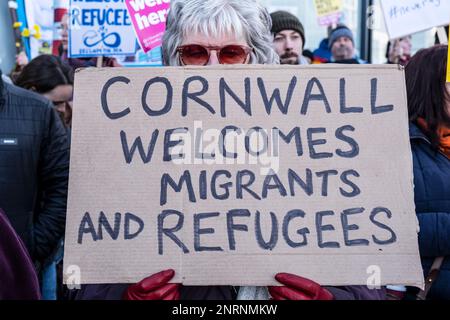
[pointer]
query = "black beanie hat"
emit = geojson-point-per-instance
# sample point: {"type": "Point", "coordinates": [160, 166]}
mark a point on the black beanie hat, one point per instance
{"type": "Point", "coordinates": [283, 20]}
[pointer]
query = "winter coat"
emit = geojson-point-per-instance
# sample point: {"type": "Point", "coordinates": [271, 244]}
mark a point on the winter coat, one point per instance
{"type": "Point", "coordinates": [34, 169]}
{"type": "Point", "coordinates": [432, 198]}
{"type": "Point", "coordinates": [115, 292]}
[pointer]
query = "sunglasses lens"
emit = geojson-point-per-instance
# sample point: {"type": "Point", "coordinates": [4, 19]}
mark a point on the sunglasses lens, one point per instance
{"type": "Point", "coordinates": [232, 55]}
{"type": "Point", "coordinates": [194, 55]}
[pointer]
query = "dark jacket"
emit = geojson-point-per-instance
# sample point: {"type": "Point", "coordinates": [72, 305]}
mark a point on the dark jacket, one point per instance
{"type": "Point", "coordinates": [432, 198]}
{"type": "Point", "coordinates": [34, 169]}
{"type": "Point", "coordinates": [323, 53]}
{"type": "Point", "coordinates": [115, 292]}
{"type": "Point", "coordinates": [18, 279]}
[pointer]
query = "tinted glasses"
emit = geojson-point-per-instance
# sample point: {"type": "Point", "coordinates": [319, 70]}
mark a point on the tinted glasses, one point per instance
{"type": "Point", "coordinates": [195, 54]}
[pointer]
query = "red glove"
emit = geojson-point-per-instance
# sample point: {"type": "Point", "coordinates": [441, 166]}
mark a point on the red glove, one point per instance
{"type": "Point", "coordinates": [298, 288]}
{"type": "Point", "coordinates": [155, 287]}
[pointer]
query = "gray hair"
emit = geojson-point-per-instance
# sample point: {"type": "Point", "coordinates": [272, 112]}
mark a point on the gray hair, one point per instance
{"type": "Point", "coordinates": [215, 18]}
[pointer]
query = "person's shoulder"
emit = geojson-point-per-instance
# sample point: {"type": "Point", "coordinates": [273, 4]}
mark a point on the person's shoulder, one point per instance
{"type": "Point", "coordinates": [19, 97]}
{"type": "Point", "coordinates": [418, 138]}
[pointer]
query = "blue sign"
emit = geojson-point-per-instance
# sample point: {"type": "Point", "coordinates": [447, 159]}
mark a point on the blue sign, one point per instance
{"type": "Point", "coordinates": [100, 28]}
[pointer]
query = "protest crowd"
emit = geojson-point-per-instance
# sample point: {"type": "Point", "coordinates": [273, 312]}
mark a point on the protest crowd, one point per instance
{"type": "Point", "coordinates": [36, 108]}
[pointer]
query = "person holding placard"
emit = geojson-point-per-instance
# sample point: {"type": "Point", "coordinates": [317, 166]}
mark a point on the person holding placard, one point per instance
{"type": "Point", "coordinates": [213, 32]}
{"type": "Point", "coordinates": [429, 112]}
{"type": "Point", "coordinates": [399, 51]}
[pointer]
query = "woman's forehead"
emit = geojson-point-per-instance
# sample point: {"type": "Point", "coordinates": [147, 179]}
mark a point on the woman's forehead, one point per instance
{"type": "Point", "coordinates": [62, 92]}
{"type": "Point", "coordinates": [226, 25]}
{"type": "Point", "coordinates": [214, 40]}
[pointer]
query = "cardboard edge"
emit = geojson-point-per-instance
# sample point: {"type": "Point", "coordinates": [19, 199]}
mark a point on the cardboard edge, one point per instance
{"type": "Point", "coordinates": [185, 69]}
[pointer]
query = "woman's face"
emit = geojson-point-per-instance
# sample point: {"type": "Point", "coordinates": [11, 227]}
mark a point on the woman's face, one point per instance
{"type": "Point", "coordinates": [215, 42]}
{"type": "Point", "coordinates": [65, 31]}
{"type": "Point", "coordinates": [60, 96]}
{"type": "Point", "coordinates": [406, 46]}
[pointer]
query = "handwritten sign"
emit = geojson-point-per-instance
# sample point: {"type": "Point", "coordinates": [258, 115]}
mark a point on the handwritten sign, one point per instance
{"type": "Point", "coordinates": [149, 21]}
{"type": "Point", "coordinates": [100, 28]}
{"type": "Point", "coordinates": [231, 174]}
{"type": "Point", "coordinates": [407, 17]}
{"type": "Point", "coordinates": [328, 11]}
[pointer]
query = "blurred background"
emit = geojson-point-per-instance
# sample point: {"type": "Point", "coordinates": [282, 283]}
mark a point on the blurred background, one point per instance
{"type": "Point", "coordinates": [364, 17]}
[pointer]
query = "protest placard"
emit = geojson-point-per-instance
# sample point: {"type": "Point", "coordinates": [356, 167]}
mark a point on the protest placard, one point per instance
{"type": "Point", "coordinates": [149, 21]}
{"type": "Point", "coordinates": [100, 28]}
{"type": "Point", "coordinates": [407, 17]}
{"type": "Point", "coordinates": [231, 174]}
{"type": "Point", "coordinates": [328, 11]}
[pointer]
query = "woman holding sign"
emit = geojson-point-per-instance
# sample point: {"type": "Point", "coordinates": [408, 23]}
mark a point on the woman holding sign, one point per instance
{"type": "Point", "coordinates": [429, 112]}
{"type": "Point", "coordinates": [208, 32]}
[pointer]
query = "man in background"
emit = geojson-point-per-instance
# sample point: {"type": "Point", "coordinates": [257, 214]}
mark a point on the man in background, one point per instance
{"type": "Point", "coordinates": [289, 37]}
{"type": "Point", "coordinates": [342, 46]}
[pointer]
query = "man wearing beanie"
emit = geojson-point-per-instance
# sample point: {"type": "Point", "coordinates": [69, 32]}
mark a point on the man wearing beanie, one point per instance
{"type": "Point", "coordinates": [289, 37]}
{"type": "Point", "coordinates": [342, 45]}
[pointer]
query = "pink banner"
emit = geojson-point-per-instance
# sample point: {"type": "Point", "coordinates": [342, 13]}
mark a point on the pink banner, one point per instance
{"type": "Point", "coordinates": [149, 21]}
{"type": "Point", "coordinates": [329, 20]}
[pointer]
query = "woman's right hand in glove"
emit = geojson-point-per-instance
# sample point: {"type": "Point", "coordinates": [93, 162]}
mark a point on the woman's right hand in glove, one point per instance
{"type": "Point", "coordinates": [155, 287]}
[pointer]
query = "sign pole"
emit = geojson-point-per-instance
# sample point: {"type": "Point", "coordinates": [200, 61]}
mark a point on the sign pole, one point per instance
{"type": "Point", "coordinates": [100, 62]}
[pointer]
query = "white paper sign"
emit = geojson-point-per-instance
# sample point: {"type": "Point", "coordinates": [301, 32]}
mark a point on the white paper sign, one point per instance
{"type": "Point", "coordinates": [406, 17]}
{"type": "Point", "coordinates": [100, 28]}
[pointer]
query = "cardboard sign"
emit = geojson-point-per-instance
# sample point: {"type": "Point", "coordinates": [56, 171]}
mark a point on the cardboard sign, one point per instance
{"type": "Point", "coordinates": [328, 11]}
{"type": "Point", "coordinates": [230, 175]}
{"type": "Point", "coordinates": [100, 28]}
{"type": "Point", "coordinates": [407, 17]}
{"type": "Point", "coordinates": [149, 21]}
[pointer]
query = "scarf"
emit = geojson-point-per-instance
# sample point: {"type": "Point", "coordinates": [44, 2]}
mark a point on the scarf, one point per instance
{"type": "Point", "coordinates": [253, 293]}
{"type": "Point", "coordinates": [443, 134]}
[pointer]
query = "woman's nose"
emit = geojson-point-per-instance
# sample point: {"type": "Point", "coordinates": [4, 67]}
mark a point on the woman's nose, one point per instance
{"type": "Point", "coordinates": [213, 59]}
